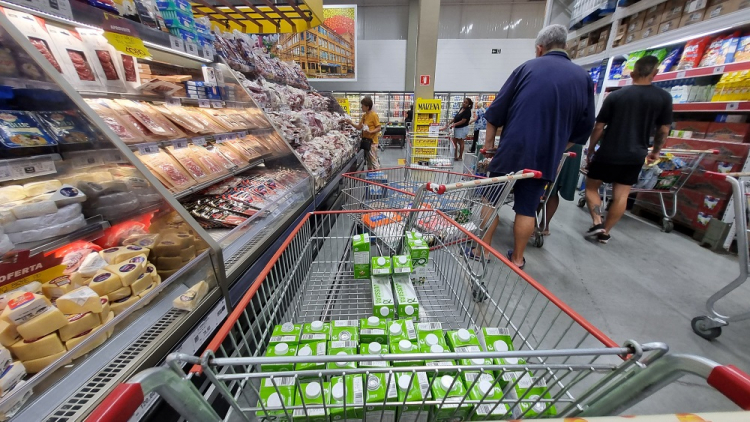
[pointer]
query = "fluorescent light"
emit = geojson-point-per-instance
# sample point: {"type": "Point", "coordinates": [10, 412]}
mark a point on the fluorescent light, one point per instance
{"type": "Point", "coordinates": [691, 37]}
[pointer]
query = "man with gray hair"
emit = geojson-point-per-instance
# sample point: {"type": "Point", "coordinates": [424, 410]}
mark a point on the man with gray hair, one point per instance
{"type": "Point", "coordinates": [545, 107]}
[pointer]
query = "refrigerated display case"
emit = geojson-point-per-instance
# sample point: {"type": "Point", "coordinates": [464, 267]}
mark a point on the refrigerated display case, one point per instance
{"type": "Point", "coordinates": [452, 102]}
{"type": "Point", "coordinates": [390, 106]}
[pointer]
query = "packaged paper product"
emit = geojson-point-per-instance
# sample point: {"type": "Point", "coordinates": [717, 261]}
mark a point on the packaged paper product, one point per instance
{"type": "Point", "coordinates": [450, 390]}
{"type": "Point", "coordinates": [80, 300]}
{"type": "Point", "coordinates": [12, 193]}
{"type": "Point", "coordinates": [34, 207]}
{"type": "Point", "coordinates": [47, 322]}
{"type": "Point", "coordinates": [278, 394]}
{"type": "Point", "coordinates": [6, 245]}
{"type": "Point", "coordinates": [345, 330]}
{"type": "Point", "coordinates": [52, 231]}
{"type": "Point", "coordinates": [39, 348]}
{"type": "Point", "coordinates": [19, 129]}
{"type": "Point", "coordinates": [314, 395]}
{"type": "Point", "coordinates": [413, 387]}
{"type": "Point", "coordinates": [11, 376]}
{"type": "Point", "coordinates": [466, 341]}
{"type": "Point", "coordinates": [693, 53]}
{"type": "Point", "coordinates": [279, 350]}
{"type": "Point", "coordinates": [62, 215]}
{"type": "Point", "coordinates": [483, 387]}
{"type": "Point", "coordinates": [24, 306]}
{"type": "Point", "coordinates": [168, 170]}
{"type": "Point", "coordinates": [373, 329]}
{"type": "Point", "coordinates": [189, 300]}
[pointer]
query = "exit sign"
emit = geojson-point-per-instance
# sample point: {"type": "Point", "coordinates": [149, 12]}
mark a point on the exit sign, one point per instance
{"type": "Point", "coordinates": [496, 50]}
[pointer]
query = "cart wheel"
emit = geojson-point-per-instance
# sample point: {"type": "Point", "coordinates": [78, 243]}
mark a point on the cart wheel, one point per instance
{"type": "Point", "coordinates": [581, 202]}
{"type": "Point", "coordinates": [699, 327]}
{"type": "Point", "coordinates": [478, 294]}
{"type": "Point", "coordinates": [668, 226]}
{"type": "Point", "coordinates": [538, 240]}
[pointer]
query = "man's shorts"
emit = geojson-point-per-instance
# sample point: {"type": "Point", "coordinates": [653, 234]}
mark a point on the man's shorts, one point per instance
{"type": "Point", "coordinates": [527, 194]}
{"type": "Point", "coordinates": [622, 174]}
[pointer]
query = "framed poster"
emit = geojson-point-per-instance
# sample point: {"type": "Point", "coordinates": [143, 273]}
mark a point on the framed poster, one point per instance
{"type": "Point", "coordinates": [328, 51]}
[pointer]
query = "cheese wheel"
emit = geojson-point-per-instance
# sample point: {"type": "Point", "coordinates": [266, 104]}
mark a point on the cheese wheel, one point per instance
{"type": "Point", "coordinates": [79, 301]}
{"type": "Point", "coordinates": [168, 246]}
{"type": "Point", "coordinates": [142, 283]}
{"type": "Point", "coordinates": [39, 348]}
{"type": "Point", "coordinates": [121, 305]}
{"type": "Point", "coordinates": [105, 282]}
{"type": "Point", "coordinates": [24, 306]}
{"type": "Point", "coordinates": [122, 253]}
{"type": "Point", "coordinates": [118, 294]}
{"type": "Point", "coordinates": [190, 299]}
{"type": "Point", "coordinates": [169, 263]}
{"type": "Point", "coordinates": [188, 253]}
{"type": "Point", "coordinates": [167, 273]}
{"type": "Point", "coordinates": [105, 308]}
{"type": "Point", "coordinates": [48, 322]}
{"type": "Point", "coordinates": [101, 337]}
{"type": "Point", "coordinates": [78, 324]}
{"type": "Point", "coordinates": [8, 333]}
{"type": "Point", "coordinates": [34, 207]}
{"type": "Point", "coordinates": [184, 239]}
{"type": "Point", "coordinates": [57, 287]}
{"type": "Point", "coordinates": [140, 260]}
{"type": "Point", "coordinates": [5, 359]}
{"type": "Point", "coordinates": [127, 272]}
{"type": "Point", "coordinates": [33, 287]}
{"type": "Point", "coordinates": [12, 193]}
{"type": "Point", "coordinates": [38, 188]}
{"type": "Point", "coordinates": [37, 365]}
{"type": "Point", "coordinates": [91, 264]}
{"type": "Point", "coordinates": [11, 376]}
{"type": "Point", "coordinates": [145, 240]}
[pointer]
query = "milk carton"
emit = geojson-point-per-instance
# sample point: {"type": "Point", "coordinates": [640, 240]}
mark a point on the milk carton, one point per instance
{"type": "Point", "coordinates": [429, 334]}
{"type": "Point", "coordinates": [381, 388]}
{"type": "Point", "coordinates": [373, 329]}
{"type": "Point", "coordinates": [381, 266]}
{"type": "Point", "coordinates": [413, 387]}
{"type": "Point", "coordinates": [450, 389]}
{"type": "Point", "coordinates": [466, 341]}
{"type": "Point", "coordinates": [345, 330]}
{"type": "Point", "coordinates": [314, 348]}
{"type": "Point", "coordinates": [361, 255]}
{"type": "Point", "coordinates": [401, 264]}
{"type": "Point", "coordinates": [402, 330]}
{"type": "Point", "coordinates": [490, 336]}
{"type": "Point", "coordinates": [373, 348]}
{"type": "Point", "coordinates": [420, 254]}
{"type": "Point", "coordinates": [437, 350]}
{"type": "Point", "coordinates": [483, 387]}
{"type": "Point", "coordinates": [312, 394]}
{"type": "Point", "coordinates": [405, 347]}
{"type": "Point", "coordinates": [279, 350]}
{"type": "Point", "coordinates": [315, 331]}
{"type": "Point", "coordinates": [347, 389]}
{"type": "Point", "coordinates": [286, 333]}
{"type": "Point", "coordinates": [383, 304]}
{"type": "Point", "coordinates": [282, 400]}
{"type": "Point", "coordinates": [531, 391]}
{"type": "Point", "coordinates": [407, 304]}
{"type": "Point", "coordinates": [343, 349]}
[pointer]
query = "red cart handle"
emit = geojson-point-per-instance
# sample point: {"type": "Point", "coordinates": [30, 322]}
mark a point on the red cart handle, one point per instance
{"type": "Point", "coordinates": [572, 154]}
{"type": "Point", "coordinates": [715, 176]}
{"type": "Point", "coordinates": [119, 405]}
{"type": "Point", "coordinates": [733, 383]}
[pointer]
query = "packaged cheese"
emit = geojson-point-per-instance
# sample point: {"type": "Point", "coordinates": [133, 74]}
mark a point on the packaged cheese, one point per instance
{"type": "Point", "coordinates": [105, 282]}
{"type": "Point", "coordinates": [5, 244]}
{"type": "Point", "coordinates": [189, 300]}
{"type": "Point", "coordinates": [66, 195]}
{"type": "Point", "coordinates": [19, 129]}
{"type": "Point", "coordinates": [12, 193]}
{"type": "Point", "coordinates": [33, 287]}
{"type": "Point", "coordinates": [5, 359]}
{"type": "Point", "coordinates": [78, 324]}
{"type": "Point", "coordinates": [8, 333]}
{"type": "Point", "coordinates": [57, 287]}
{"type": "Point", "coordinates": [39, 348]}
{"type": "Point", "coordinates": [47, 322]}
{"type": "Point", "coordinates": [11, 376]}
{"type": "Point", "coordinates": [101, 337]}
{"type": "Point", "coordinates": [174, 177]}
{"type": "Point", "coordinates": [127, 272]}
{"type": "Point", "coordinates": [34, 207]}
{"type": "Point", "coordinates": [60, 216]}
{"type": "Point", "coordinates": [37, 365]}
{"type": "Point", "coordinates": [110, 317]}
{"type": "Point", "coordinates": [121, 305]}
{"type": "Point", "coordinates": [91, 265]}
{"type": "Point", "coordinates": [24, 306]}
{"type": "Point", "coordinates": [78, 301]}
{"type": "Point", "coordinates": [119, 254]}
{"type": "Point", "coordinates": [105, 309]}
{"type": "Point", "coordinates": [141, 284]}
{"type": "Point", "coordinates": [144, 240]}
{"type": "Point", "coordinates": [38, 188]}
{"type": "Point", "coordinates": [61, 229]}
{"type": "Point", "coordinates": [118, 294]}
{"type": "Point", "coordinates": [9, 407]}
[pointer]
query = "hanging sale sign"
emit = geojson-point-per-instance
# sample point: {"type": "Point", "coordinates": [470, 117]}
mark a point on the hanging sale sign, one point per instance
{"type": "Point", "coordinates": [124, 37]}
{"type": "Point", "coordinates": [344, 103]}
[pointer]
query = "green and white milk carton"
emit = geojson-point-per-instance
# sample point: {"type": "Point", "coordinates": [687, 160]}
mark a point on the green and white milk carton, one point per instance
{"type": "Point", "coordinates": [347, 389]}
{"type": "Point", "coordinates": [381, 266]}
{"type": "Point", "coordinates": [342, 348]}
{"type": "Point", "coordinates": [315, 331]}
{"type": "Point", "coordinates": [531, 391]}
{"type": "Point", "coordinates": [413, 387]}
{"type": "Point", "coordinates": [483, 387]}
{"type": "Point", "coordinates": [311, 394]}
{"type": "Point", "coordinates": [419, 251]}
{"type": "Point", "coordinates": [279, 350]}
{"type": "Point", "coordinates": [373, 348]}
{"type": "Point", "coordinates": [466, 341]}
{"type": "Point", "coordinates": [381, 388]}
{"type": "Point", "coordinates": [450, 389]}
{"type": "Point", "coordinates": [509, 375]}
{"type": "Point", "coordinates": [405, 347]}
{"type": "Point", "coordinates": [383, 303]}
{"type": "Point", "coordinates": [281, 399]}
{"type": "Point", "coordinates": [436, 349]}
{"type": "Point", "coordinates": [429, 334]}
{"type": "Point", "coordinates": [495, 339]}
{"type": "Point", "coordinates": [286, 333]}
{"type": "Point", "coordinates": [345, 330]}
{"type": "Point", "coordinates": [361, 255]}
{"type": "Point", "coordinates": [402, 329]}
{"type": "Point", "coordinates": [315, 348]}
{"type": "Point", "coordinates": [373, 329]}
{"type": "Point", "coordinates": [407, 303]}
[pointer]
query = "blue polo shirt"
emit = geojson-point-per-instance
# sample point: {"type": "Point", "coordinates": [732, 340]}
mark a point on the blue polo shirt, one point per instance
{"type": "Point", "coordinates": [545, 103]}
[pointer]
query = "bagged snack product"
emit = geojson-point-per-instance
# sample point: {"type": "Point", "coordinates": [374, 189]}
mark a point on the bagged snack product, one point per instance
{"type": "Point", "coordinates": [188, 161]}
{"type": "Point", "coordinates": [712, 56]}
{"type": "Point", "coordinates": [743, 49]}
{"type": "Point", "coordinates": [167, 170]}
{"type": "Point", "coordinates": [693, 53]}
{"type": "Point", "coordinates": [670, 60]}
{"type": "Point", "coordinates": [19, 129]}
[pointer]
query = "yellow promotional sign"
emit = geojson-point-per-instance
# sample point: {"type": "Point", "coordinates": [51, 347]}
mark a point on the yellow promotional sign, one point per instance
{"type": "Point", "coordinates": [429, 106]}
{"type": "Point", "coordinates": [127, 44]}
{"type": "Point", "coordinates": [344, 103]}
{"type": "Point", "coordinates": [428, 142]}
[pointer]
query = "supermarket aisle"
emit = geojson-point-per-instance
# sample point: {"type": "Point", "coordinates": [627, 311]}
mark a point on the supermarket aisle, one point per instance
{"type": "Point", "coordinates": [613, 287]}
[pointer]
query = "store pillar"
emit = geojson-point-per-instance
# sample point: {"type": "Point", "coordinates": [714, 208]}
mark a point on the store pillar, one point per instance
{"type": "Point", "coordinates": [426, 48]}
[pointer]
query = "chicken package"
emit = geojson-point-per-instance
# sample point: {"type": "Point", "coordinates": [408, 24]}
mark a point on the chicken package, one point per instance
{"type": "Point", "coordinates": [189, 163]}
{"type": "Point", "coordinates": [127, 132]}
{"type": "Point", "coordinates": [167, 170]}
{"type": "Point", "coordinates": [77, 56]}
{"type": "Point", "coordinates": [206, 120]}
{"type": "Point", "coordinates": [181, 118]}
{"type": "Point", "coordinates": [108, 70]}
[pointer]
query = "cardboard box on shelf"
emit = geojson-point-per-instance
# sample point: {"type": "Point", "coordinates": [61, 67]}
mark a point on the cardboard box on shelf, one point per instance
{"type": "Point", "coordinates": [669, 25]}
{"type": "Point", "coordinates": [636, 21]}
{"type": "Point", "coordinates": [652, 20]}
{"type": "Point", "coordinates": [721, 8]}
{"type": "Point", "coordinates": [601, 46]}
{"type": "Point", "coordinates": [730, 132]}
{"type": "Point", "coordinates": [583, 42]}
{"type": "Point", "coordinates": [591, 49]}
{"type": "Point", "coordinates": [691, 18]}
{"type": "Point", "coordinates": [673, 9]}
{"type": "Point", "coordinates": [581, 53]}
{"type": "Point", "coordinates": [632, 36]}
{"type": "Point", "coordinates": [604, 34]}
{"type": "Point", "coordinates": [694, 6]}
{"type": "Point", "coordinates": [691, 129]}
{"type": "Point", "coordinates": [622, 28]}
{"type": "Point", "coordinates": [649, 32]}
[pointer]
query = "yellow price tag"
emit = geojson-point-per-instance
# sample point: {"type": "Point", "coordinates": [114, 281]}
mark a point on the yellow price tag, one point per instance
{"type": "Point", "coordinates": [344, 103]}
{"type": "Point", "coordinates": [127, 44]}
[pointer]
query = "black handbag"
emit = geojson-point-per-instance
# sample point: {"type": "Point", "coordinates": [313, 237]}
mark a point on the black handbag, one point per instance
{"type": "Point", "coordinates": [365, 144]}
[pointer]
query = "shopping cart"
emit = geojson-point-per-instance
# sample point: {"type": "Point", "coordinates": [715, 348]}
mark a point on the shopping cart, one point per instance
{"type": "Point", "coordinates": [557, 363]}
{"type": "Point", "coordinates": [433, 151]}
{"type": "Point", "coordinates": [709, 327]}
{"type": "Point", "coordinates": [664, 183]}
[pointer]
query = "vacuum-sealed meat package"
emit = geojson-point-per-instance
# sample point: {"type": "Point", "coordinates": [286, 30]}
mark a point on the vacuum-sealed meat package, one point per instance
{"type": "Point", "coordinates": [128, 63]}
{"type": "Point", "coordinates": [189, 163]}
{"type": "Point", "coordinates": [81, 65]}
{"type": "Point", "coordinates": [123, 129]}
{"type": "Point", "coordinates": [231, 155]}
{"type": "Point", "coordinates": [167, 170]}
{"type": "Point", "coordinates": [43, 48]}
{"type": "Point", "coordinates": [108, 65]}
{"type": "Point", "coordinates": [217, 156]}
{"type": "Point", "coordinates": [183, 119]}
{"type": "Point", "coordinates": [125, 115]}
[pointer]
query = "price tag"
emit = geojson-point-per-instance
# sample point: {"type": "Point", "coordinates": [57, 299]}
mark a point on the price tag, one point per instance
{"type": "Point", "coordinates": [220, 138]}
{"type": "Point", "coordinates": [86, 161]}
{"type": "Point", "coordinates": [207, 53]}
{"type": "Point", "coordinates": [177, 43]}
{"type": "Point", "coordinates": [242, 134]}
{"type": "Point", "coordinates": [128, 44]}
{"type": "Point", "coordinates": [681, 74]}
{"type": "Point", "coordinates": [179, 143]}
{"type": "Point", "coordinates": [733, 106]}
{"type": "Point", "coordinates": [146, 149]}
{"type": "Point", "coordinates": [718, 70]}
{"type": "Point", "coordinates": [200, 141]}
{"type": "Point", "coordinates": [204, 104]}
{"type": "Point", "coordinates": [191, 48]}
{"type": "Point", "coordinates": [26, 169]}
{"type": "Point", "coordinates": [217, 104]}
{"type": "Point", "coordinates": [4, 172]}
{"type": "Point", "coordinates": [174, 102]}
{"type": "Point", "coordinates": [114, 156]}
